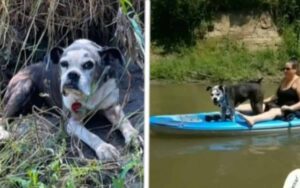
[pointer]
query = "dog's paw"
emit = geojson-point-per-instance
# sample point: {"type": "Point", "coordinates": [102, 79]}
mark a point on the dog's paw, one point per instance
{"type": "Point", "coordinates": [4, 135]}
{"type": "Point", "coordinates": [130, 135]}
{"type": "Point", "coordinates": [137, 142]}
{"type": "Point", "coordinates": [107, 152]}
{"type": "Point", "coordinates": [132, 138]}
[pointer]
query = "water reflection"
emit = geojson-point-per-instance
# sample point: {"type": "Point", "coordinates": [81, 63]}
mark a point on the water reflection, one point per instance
{"type": "Point", "coordinates": [259, 144]}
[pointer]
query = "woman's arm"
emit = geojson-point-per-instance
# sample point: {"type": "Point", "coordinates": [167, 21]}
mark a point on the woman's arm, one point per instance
{"type": "Point", "coordinates": [274, 97]}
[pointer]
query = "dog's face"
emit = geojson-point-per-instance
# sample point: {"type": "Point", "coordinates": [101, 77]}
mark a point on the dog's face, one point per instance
{"type": "Point", "coordinates": [83, 64]}
{"type": "Point", "coordinates": [217, 94]}
{"type": "Point", "coordinates": [77, 70]}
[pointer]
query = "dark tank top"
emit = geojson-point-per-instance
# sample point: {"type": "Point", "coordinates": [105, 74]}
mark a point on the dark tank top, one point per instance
{"type": "Point", "coordinates": [287, 97]}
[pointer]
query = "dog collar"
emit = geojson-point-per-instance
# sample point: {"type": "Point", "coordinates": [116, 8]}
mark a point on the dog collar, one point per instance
{"type": "Point", "coordinates": [76, 106]}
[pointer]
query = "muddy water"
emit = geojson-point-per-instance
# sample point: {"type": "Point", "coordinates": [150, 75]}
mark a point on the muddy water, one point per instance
{"type": "Point", "coordinates": [249, 161]}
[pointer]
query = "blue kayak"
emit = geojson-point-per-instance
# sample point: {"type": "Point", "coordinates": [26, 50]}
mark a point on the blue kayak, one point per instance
{"type": "Point", "coordinates": [198, 124]}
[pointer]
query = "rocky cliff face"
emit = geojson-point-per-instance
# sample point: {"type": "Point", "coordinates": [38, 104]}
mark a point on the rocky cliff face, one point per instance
{"type": "Point", "coordinates": [254, 30]}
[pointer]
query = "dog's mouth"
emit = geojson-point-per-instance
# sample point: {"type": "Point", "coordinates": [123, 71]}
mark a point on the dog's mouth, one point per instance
{"type": "Point", "coordinates": [216, 102]}
{"type": "Point", "coordinates": [71, 88]}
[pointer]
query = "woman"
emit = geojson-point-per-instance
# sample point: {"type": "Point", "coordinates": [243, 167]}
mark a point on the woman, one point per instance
{"type": "Point", "coordinates": [287, 98]}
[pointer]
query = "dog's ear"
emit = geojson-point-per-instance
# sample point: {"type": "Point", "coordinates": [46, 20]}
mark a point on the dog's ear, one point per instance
{"type": "Point", "coordinates": [55, 54]}
{"type": "Point", "coordinates": [110, 55]}
{"type": "Point", "coordinates": [113, 58]}
{"type": "Point", "coordinates": [208, 88]}
{"type": "Point", "coordinates": [221, 87]}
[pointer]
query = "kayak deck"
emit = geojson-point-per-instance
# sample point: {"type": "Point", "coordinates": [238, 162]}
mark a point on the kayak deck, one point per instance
{"type": "Point", "coordinates": [197, 124]}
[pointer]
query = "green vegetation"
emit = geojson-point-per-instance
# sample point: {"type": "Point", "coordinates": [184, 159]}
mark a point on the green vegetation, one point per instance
{"type": "Point", "coordinates": [40, 154]}
{"type": "Point", "coordinates": [216, 60]}
{"type": "Point", "coordinates": [180, 53]}
{"type": "Point", "coordinates": [177, 24]}
{"type": "Point", "coordinates": [174, 22]}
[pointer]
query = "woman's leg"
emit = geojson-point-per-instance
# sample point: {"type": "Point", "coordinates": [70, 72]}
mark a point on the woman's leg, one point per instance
{"type": "Point", "coordinates": [269, 115]}
{"type": "Point", "coordinates": [246, 108]}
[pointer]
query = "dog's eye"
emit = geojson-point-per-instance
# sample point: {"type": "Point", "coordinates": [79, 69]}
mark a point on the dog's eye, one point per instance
{"type": "Point", "coordinates": [88, 65]}
{"type": "Point", "coordinates": [64, 64]}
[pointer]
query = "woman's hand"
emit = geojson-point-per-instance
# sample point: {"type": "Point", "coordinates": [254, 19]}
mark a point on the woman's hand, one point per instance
{"type": "Point", "coordinates": [286, 108]}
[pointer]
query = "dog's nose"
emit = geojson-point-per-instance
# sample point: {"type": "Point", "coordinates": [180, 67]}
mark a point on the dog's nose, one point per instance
{"type": "Point", "coordinates": [73, 76]}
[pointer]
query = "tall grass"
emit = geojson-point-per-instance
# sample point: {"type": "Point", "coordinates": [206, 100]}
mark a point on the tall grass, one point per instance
{"type": "Point", "coordinates": [29, 29]}
{"type": "Point", "coordinates": [39, 153]}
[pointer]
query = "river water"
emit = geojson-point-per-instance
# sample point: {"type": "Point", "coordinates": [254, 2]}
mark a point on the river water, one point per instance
{"type": "Point", "coordinates": [187, 162]}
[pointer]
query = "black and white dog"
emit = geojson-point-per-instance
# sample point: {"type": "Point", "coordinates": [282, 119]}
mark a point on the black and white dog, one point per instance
{"type": "Point", "coordinates": [228, 97]}
{"type": "Point", "coordinates": [81, 79]}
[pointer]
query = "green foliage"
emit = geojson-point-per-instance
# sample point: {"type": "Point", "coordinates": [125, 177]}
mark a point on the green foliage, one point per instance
{"type": "Point", "coordinates": [174, 22]}
{"type": "Point", "coordinates": [286, 11]}
{"type": "Point", "coordinates": [290, 42]}
{"type": "Point", "coordinates": [133, 165]}
{"type": "Point", "coordinates": [179, 24]}
{"type": "Point", "coordinates": [216, 60]}
{"type": "Point", "coordinates": [286, 14]}
{"type": "Point", "coordinates": [239, 5]}
{"type": "Point", "coordinates": [183, 60]}
{"type": "Point", "coordinates": [125, 4]}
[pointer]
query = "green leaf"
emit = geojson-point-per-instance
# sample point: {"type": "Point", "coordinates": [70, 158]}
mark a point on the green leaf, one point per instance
{"type": "Point", "coordinates": [126, 168]}
{"type": "Point", "coordinates": [118, 183]}
{"type": "Point", "coordinates": [21, 181]}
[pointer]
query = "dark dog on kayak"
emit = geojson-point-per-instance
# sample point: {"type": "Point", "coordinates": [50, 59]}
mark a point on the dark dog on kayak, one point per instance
{"type": "Point", "coordinates": [228, 97]}
{"type": "Point", "coordinates": [80, 78]}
